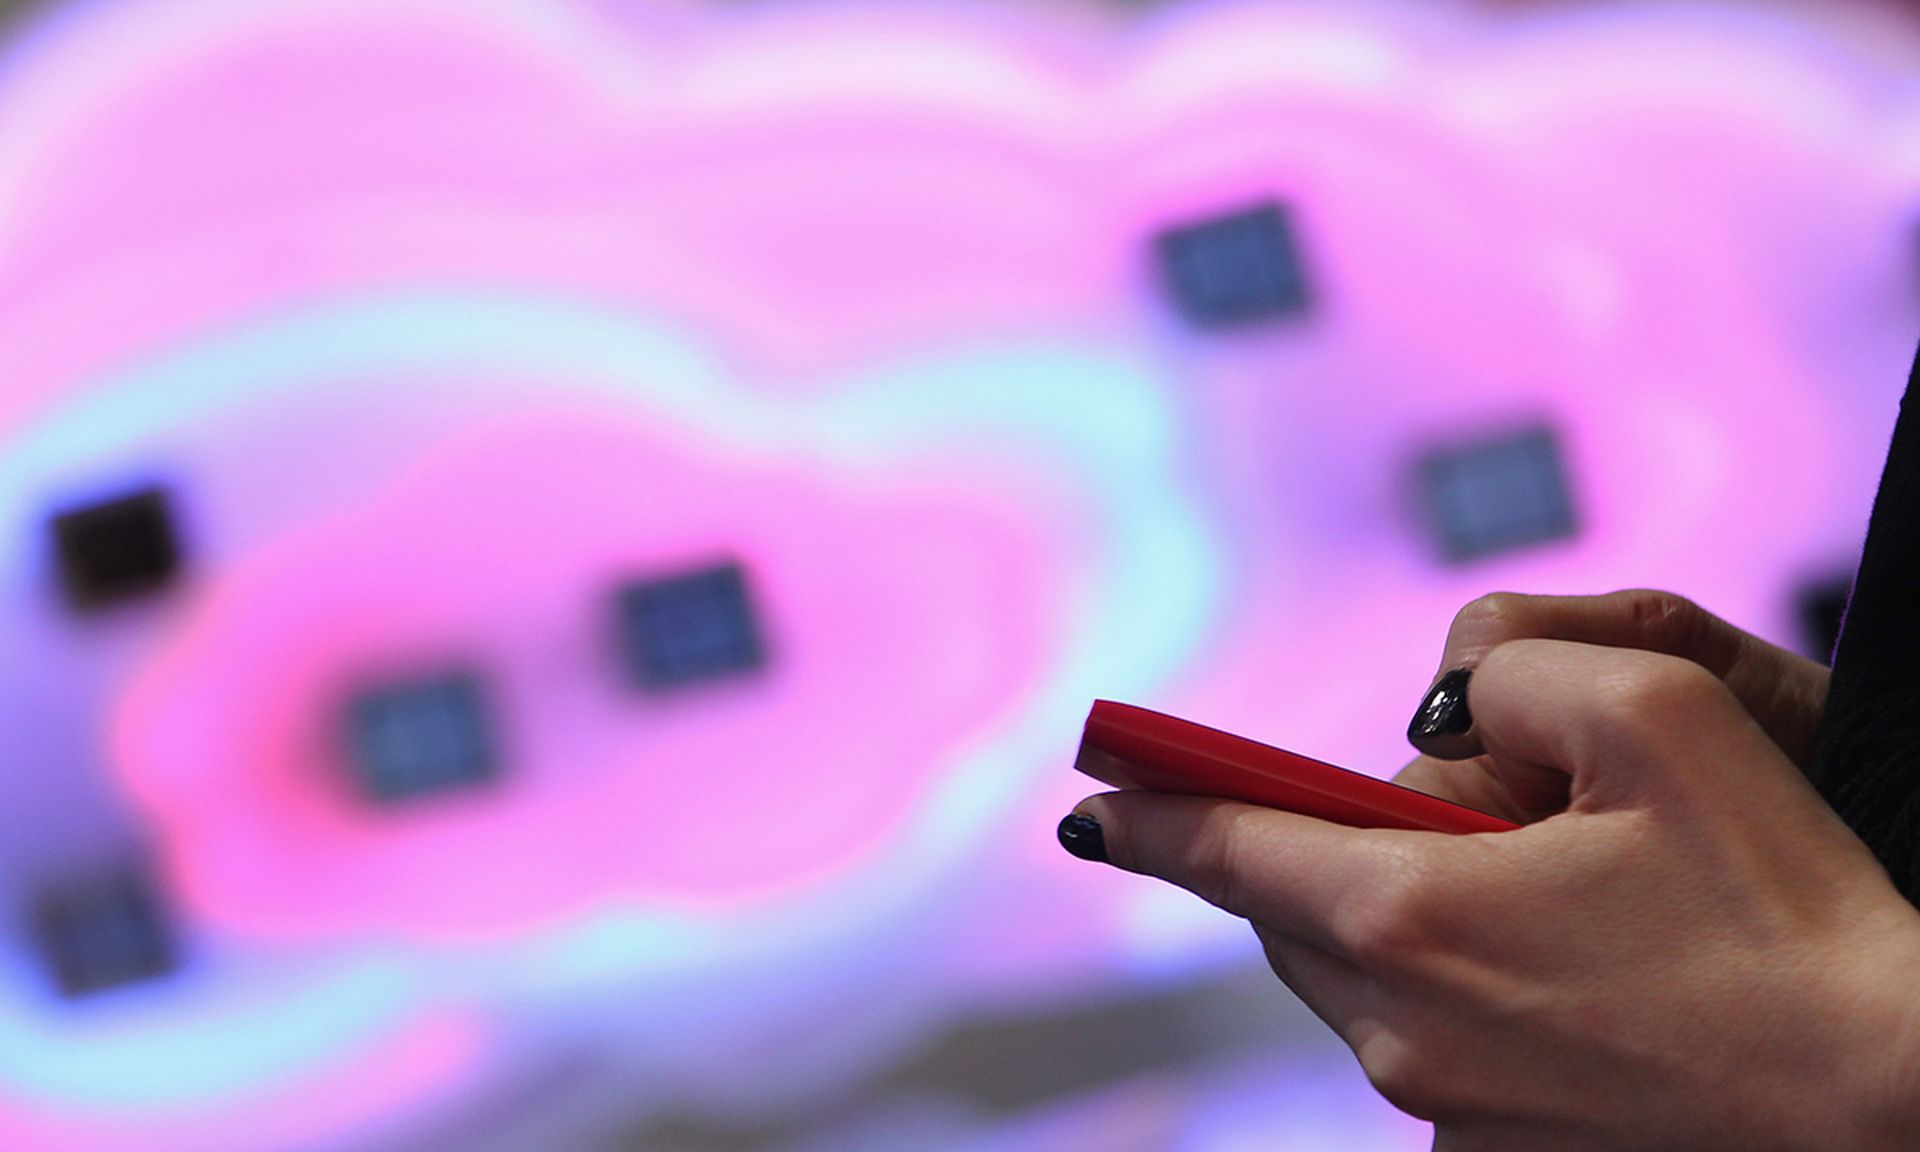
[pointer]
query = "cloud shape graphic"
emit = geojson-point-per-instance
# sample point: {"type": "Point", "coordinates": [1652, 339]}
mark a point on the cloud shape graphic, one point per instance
{"type": "Point", "coordinates": [445, 316]}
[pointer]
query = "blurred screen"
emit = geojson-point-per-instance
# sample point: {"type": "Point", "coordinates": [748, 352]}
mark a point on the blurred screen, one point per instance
{"type": "Point", "coordinates": [553, 554]}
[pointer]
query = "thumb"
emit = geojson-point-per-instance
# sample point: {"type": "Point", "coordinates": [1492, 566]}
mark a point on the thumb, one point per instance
{"type": "Point", "coordinates": [1606, 727]}
{"type": "Point", "coordinates": [1781, 690]}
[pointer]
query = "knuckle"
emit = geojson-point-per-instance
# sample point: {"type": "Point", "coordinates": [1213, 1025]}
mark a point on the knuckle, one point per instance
{"type": "Point", "coordinates": [1670, 622]}
{"type": "Point", "coordinates": [1402, 1073]}
{"type": "Point", "coordinates": [1494, 616]}
{"type": "Point", "coordinates": [1651, 691]}
{"type": "Point", "coordinates": [1214, 864]}
{"type": "Point", "coordinates": [1391, 929]}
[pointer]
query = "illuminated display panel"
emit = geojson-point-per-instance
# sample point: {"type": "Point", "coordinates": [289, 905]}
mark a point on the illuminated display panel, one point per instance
{"type": "Point", "coordinates": [439, 323]}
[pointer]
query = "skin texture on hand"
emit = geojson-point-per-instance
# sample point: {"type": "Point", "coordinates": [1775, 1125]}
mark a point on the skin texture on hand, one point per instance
{"type": "Point", "coordinates": [1783, 691]}
{"type": "Point", "coordinates": [1690, 951]}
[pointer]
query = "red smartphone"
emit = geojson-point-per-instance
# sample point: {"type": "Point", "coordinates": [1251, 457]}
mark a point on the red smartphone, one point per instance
{"type": "Point", "coordinates": [1131, 747]}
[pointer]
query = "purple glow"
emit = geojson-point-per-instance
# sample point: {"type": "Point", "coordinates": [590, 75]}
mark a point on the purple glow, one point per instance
{"type": "Point", "coordinates": [501, 548]}
{"type": "Point", "coordinates": [445, 318]}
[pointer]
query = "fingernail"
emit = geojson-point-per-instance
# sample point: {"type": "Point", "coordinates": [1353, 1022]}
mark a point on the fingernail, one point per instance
{"type": "Point", "coordinates": [1081, 836]}
{"type": "Point", "coordinates": [1442, 727]}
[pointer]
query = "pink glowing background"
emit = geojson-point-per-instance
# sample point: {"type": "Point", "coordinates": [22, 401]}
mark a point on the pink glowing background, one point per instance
{"type": "Point", "coordinates": [444, 318]}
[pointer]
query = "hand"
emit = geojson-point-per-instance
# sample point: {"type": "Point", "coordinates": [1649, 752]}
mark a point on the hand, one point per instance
{"type": "Point", "coordinates": [1783, 691]}
{"type": "Point", "coordinates": [1694, 954]}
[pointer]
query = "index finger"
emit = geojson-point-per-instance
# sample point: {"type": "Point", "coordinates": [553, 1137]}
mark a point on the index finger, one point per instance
{"type": "Point", "coordinates": [1292, 873]}
{"type": "Point", "coordinates": [1641, 618]}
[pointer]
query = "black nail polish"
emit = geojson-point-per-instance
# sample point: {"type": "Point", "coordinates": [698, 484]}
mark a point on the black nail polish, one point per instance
{"type": "Point", "coordinates": [1442, 727]}
{"type": "Point", "coordinates": [1081, 835]}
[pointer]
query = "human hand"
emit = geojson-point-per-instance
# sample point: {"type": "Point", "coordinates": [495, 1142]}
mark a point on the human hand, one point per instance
{"type": "Point", "coordinates": [1783, 691]}
{"type": "Point", "coordinates": [1695, 953]}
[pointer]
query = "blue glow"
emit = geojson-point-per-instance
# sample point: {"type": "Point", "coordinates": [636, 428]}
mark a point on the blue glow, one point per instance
{"type": "Point", "coordinates": [171, 1044]}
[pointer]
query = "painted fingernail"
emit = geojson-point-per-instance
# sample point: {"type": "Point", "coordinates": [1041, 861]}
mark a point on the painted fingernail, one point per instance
{"type": "Point", "coordinates": [1442, 727]}
{"type": "Point", "coordinates": [1081, 836]}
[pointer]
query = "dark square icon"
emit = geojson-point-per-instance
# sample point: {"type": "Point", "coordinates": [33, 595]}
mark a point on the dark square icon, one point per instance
{"type": "Point", "coordinates": [117, 549]}
{"type": "Point", "coordinates": [103, 931]}
{"type": "Point", "coordinates": [1820, 605]}
{"type": "Point", "coordinates": [414, 738]}
{"type": "Point", "coordinates": [1234, 269]}
{"type": "Point", "coordinates": [1498, 494]}
{"type": "Point", "coordinates": [689, 627]}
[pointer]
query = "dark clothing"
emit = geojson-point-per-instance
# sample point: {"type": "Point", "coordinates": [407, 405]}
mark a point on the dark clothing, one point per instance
{"type": "Point", "coordinates": [1868, 762]}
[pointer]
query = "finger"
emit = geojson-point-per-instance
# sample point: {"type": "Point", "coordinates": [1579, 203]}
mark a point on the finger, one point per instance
{"type": "Point", "coordinates": [1606, 724]}
{"type": "Point", "coordinates": [1279, 869]}
{"type": "Point", "coordinates": [1332, 988]}
{"type": "Point", "coordinates": [1640, 618]}
{"type": "Point", "coordinates": [1782, 689]}
{"type": "Point", "coordinates": [1473, 782]}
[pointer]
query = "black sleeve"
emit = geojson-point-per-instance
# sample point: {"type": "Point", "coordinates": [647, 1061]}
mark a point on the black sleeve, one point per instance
{"type": "Point", "coordinates": [1868, 762]}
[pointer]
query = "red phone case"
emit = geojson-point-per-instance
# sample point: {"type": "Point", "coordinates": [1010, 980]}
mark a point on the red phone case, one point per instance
{"type": "Point", "coordinates": [1131, 747]}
